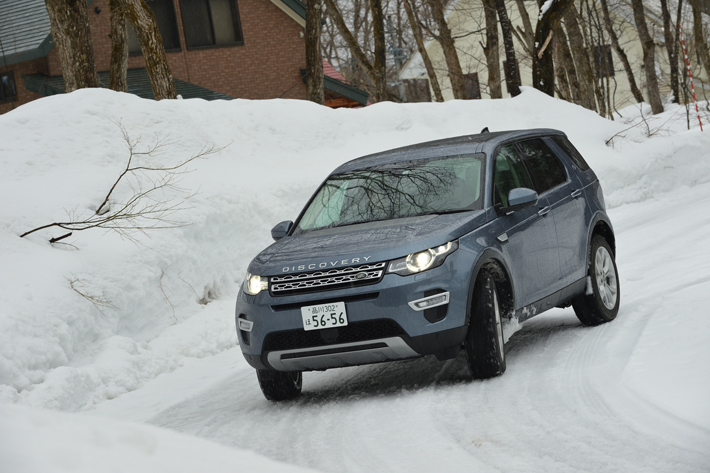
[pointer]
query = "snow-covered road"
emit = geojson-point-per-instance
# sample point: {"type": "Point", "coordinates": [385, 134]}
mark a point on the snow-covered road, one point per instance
{"type": "Point", "coordinates": [573, 398]}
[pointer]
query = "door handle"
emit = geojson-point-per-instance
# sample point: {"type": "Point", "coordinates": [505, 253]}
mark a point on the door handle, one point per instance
{"type": "Point", "coordinates": [576, 193]}
{"type": "Point", "coordinates": [544, 211]}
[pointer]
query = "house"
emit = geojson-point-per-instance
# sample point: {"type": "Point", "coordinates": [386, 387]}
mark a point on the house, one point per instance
{"type": "Point", "coordinates": [217, 49]}
{"type": "Point", "coordinates": [466, 20]}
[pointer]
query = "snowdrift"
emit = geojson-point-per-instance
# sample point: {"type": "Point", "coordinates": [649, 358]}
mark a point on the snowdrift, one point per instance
{"type": "Point", "coordinates": [100, 313]}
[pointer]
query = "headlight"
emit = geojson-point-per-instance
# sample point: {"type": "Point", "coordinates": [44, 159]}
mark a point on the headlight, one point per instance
{"type": "Point", "coordinates": [254, 284]}
{"type": "Point", "coordinates": [423, 260]}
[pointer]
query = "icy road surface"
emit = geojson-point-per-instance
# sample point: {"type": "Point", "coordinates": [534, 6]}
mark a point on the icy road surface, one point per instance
{"type": "Point", "coordinates": [574, 398]}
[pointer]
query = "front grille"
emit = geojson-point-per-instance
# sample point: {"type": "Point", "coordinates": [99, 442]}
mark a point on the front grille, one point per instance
{"type": "Point", "coordinates": [325, 280]}
{"type": "Point", "coordinates": [355, 332]}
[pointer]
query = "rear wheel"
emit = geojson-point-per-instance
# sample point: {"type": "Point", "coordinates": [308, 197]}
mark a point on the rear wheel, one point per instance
{"type": "Point", "coordinates": [280, 385]}
{"type": "Point", "coordinates": [601, 303]}
{"type": "Point", "coordinates": [485, 351]}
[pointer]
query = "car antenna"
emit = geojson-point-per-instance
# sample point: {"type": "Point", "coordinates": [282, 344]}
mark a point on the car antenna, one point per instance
{"type": "Point", "coordinates": [485, 130]}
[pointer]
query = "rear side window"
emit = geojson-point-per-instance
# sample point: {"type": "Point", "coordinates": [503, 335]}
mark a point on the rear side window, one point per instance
{"type": "Point", "coordinates": [509, 173]}
{"type": "Point", "coordinates": [546, 170]}
{"type": "Point", "coordinates": [571, 151]}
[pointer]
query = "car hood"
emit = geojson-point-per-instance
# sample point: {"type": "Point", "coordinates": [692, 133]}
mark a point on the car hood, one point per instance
{"type": "Point", "coordinates": [363, 243]}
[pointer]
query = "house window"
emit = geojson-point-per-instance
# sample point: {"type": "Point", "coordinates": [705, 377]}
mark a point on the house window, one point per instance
{"type": "Point", "coordinates": [603, 62]}
{"type": "Point", "coordinates": [8, 92]}
{"type": "Point", "coordinates": [211, 23]}
{"type": "Point", "coordinates": [473, 88]}
{"type": "Point", "coordinates": [507, 74]}
{"type": "Point", "coordinates": [164, 12]}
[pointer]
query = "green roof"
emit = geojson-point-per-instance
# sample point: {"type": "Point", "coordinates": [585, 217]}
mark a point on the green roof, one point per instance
{"type": "Point", "coordinates": [138, 84]}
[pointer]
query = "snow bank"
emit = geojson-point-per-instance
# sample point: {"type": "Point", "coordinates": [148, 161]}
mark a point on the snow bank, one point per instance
{"type": "Point", "coordinates": [61, 154]}
{"type": "Point", "coordinates": [41, 441]}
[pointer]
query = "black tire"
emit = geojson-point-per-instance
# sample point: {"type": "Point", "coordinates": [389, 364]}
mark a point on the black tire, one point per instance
{"type": "Point", "coordinates": [280, 385]}
{"type": "Point", "coordinates": [602, 304]}
{"type": "Point", "coordinates": [485, 350]}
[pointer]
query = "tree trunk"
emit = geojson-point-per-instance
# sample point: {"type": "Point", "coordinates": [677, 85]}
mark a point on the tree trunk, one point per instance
{"type": "Point", "coordinates": [568, 64]}
{"type": "Point", "coordinates": [511, 64]}
{"type": "Point", "coordinates": [350, 40]}
{"type": "Point", "coordinates": [581, 59]}
{"type": "Point", "coordinates": [69, 25]}
{"type": "Point", "coordinates": [622, 55]}
{"type": "Point", "coordinates": [543, 63]}
{"type": "Point", "coordinates": [416, 30]}
{"type": "Point", "coordinates": [700, 41]}
{"type": "Point", "coordinates": [670, 48]}
{"type": "Point", "coordinates": [528, 33]}
{"type": "Point", "coordinates": [156, 62]}
{"type": "Point", "coordinates": [458, 86]}
{"type": "Point", "coordinates": [314, 61]}
{"type": "Point", "coordinates": [378, 30]}
{"type": "Point", "coordinates": [562, 82]}
{"type": "Point", "coordinates": [491, 50]}
{"type": "Point", "coordinates": [119, 47]}
{"type": "Point", "coordinates": [649, 57]}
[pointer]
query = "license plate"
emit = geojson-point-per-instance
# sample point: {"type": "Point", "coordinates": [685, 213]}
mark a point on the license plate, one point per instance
{"type": "Point", "coordinates": [320, 316]}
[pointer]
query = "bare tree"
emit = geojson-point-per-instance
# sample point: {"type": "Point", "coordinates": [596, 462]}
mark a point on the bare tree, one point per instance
{"type": "Point", "coordinates": [511, 63]}
{"type": "Point", "coordinates": [581, 58]}
{"type": "Point", "coordinates": [443, 36]}
{"type": "Point", "coordinates": [543, 66]}
{"type": "Point", "coordinates": [671, 48]}
{"type": "Point", "coordinates": [621, 53]}
{"type": "Point", "coordinates": [417, 31]}
{"type": "Point", "coordinates": [350, 40]}
{"type": "Point", "coordinates": [380, 66]}
{"type": "Point", "coordinates": [119, 47]}
{"type": "Point", "coordinates": [314, 61]}
{"type": "Point", "coordinates": [699, 35]}
{"type": "Point", "coordinates": [491, 49]}
{"type": "Point", "coordinates": [649, 57]}
{"type": "Point", "coordinates": [69, 24]}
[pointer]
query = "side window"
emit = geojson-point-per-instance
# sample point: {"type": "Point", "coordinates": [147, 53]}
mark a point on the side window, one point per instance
{"type": "Point", "coordinates": [509, 173]}
{"type": "Point", "coordinates": [8, 92]}
{"type": "Point", "coordinates": [571, 151]}
{"type": "Point", "coordinates": [547, 171]}
{"type": "Point", "coordinates": [210, 23]}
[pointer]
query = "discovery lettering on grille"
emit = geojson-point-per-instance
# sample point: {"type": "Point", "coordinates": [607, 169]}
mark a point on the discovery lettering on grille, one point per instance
{"type": "Point", "coordinates": [325, 264]}
{"type": "Point", "coordinates": [328, 279]}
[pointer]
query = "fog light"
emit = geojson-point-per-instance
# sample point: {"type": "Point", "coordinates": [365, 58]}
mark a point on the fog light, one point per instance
{"type": "Point", "coordinates": [246, 325]}
{"type": "Point", "coordinates": [431, 301]}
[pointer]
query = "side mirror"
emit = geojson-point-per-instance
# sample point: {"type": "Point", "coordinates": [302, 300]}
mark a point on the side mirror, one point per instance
{"type": "Point", "coordinates": [281, 230]}
{"type": "Point", "coordinates": [520, 198]}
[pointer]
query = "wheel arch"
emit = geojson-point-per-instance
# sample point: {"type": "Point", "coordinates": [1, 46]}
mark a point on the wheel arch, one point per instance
{"type": "Point", "coordinates": [493, 261]}
{"type": "Point", "coordinates": [602, 226]}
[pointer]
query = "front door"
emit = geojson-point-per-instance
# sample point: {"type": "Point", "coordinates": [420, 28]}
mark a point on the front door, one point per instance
{"type": "Point", "coordinates": [531, 245]}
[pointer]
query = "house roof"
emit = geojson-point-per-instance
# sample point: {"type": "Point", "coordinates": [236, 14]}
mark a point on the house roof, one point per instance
{"type": "Point", "coordinates": [334, 81]}
{"type": "Point", "coordinates": [138, 84]}
{"type": "Point", "coordinates": [25, 33]}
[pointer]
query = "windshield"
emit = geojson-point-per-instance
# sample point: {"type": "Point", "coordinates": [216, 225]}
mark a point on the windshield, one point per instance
{"type": "Point", "coordinates": [397, 190]}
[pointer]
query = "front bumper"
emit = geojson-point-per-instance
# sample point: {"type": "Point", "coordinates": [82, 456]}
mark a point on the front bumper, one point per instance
{"type": "Point", "coordinates": [382, 326]}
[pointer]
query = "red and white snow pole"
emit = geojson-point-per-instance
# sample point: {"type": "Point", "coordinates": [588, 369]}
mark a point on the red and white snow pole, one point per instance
{"type": "Point", "coordinates": [687, 63]}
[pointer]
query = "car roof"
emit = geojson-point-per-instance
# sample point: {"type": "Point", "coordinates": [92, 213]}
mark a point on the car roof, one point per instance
{"type": "Point", "coordinates": [467, 144]}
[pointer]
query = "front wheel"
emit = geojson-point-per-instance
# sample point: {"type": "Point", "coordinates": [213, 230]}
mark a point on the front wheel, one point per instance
{"type": "Point", "coordinates": [485, 351]}
{"type": "Point", "coordinates": [601, 302]}
{"type": "Point", "coordinates": [280, 385]}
